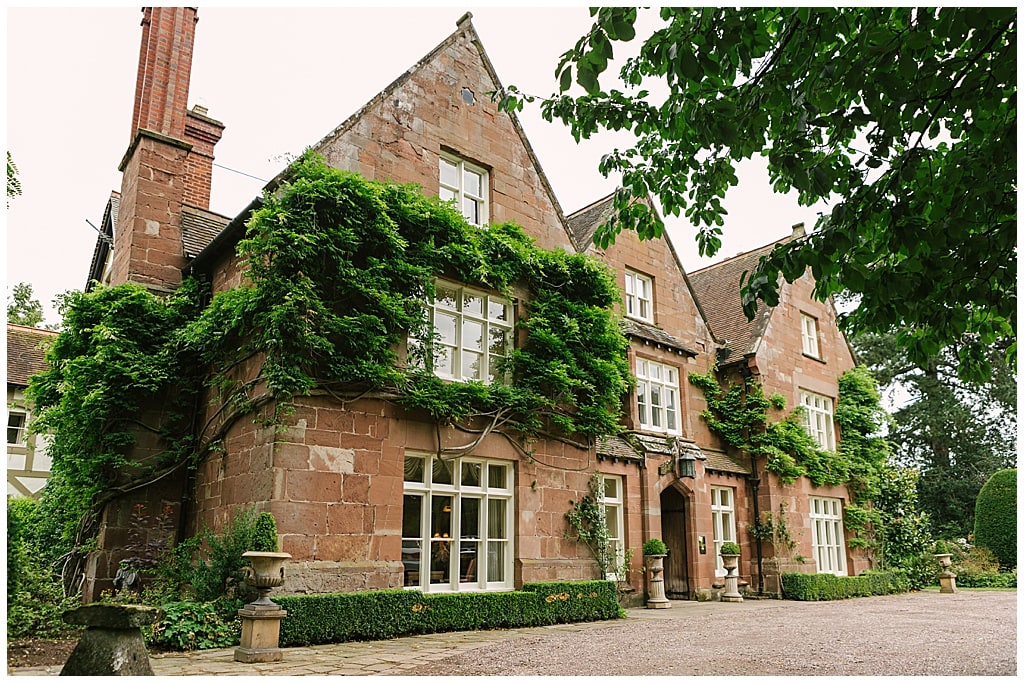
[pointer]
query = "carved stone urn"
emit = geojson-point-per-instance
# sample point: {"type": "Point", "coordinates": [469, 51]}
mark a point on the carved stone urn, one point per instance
{"type": "Point", "coordinates": [732, 589]}
{"type": "Point", "coordinates": [261, 619]}
{"type": "Point", "coordinates": [656, 584]}
{"type": "Point", "coordinates": [947, 579]}
{"type": "Point", "coordinates": [265, 574]}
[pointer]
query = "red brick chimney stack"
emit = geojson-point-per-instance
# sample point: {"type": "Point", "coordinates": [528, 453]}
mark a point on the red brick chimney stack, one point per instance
{"type": "Point", "coordinates": [170, 159]}
{"type": "Point", "coordinates": [165, 68]}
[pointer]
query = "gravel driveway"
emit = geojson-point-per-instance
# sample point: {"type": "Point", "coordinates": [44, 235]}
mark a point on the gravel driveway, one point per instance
{"type": "Point", "coordinates": [969, 633]}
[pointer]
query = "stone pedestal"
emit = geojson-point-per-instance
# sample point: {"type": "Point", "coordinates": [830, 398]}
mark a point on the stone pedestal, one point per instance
{"type": "Point", "coordinates": [732, 589]}
{"type": "Point", "coordinates": [261, 631]}
{"type": "Point", "coordinates": [112, 644]}
{"type": "Point", "coordinates": [947, 579]}
{"type": "Point", "coordinates": [656, 584]}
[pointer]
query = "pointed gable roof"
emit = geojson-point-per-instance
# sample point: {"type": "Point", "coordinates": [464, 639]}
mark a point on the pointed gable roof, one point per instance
{"type": "Point", "coordinates": [465, 28]}
{"type": "Point", "coordinates": [718, 289]}
{"type": "Point", "coordinates": [583, 224]}
{"type": "Point", "coordinates": [26, 352]}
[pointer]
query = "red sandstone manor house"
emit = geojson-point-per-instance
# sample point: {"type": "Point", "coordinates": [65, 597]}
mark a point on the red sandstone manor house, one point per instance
{"type": "Point", "coordinates": [359, 494]}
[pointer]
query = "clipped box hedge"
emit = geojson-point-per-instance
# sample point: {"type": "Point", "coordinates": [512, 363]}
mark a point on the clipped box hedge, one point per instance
{"type": "Point", "coordinates": [375, 615]}
{"type": "Point", "coordinates": [830, 587]}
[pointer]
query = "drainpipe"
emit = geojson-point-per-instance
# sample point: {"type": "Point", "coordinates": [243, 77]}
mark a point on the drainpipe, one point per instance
{"type": "Point", "coordinates": [755, 485]}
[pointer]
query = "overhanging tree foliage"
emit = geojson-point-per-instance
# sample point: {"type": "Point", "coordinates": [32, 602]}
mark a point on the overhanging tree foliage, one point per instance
{"type": "Point", "coordinates": [903, 119]}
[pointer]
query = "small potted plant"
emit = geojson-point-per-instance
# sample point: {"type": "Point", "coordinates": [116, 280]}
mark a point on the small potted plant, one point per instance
{"type": "Point", "coordinates": [655, 550]}
{"type": "Point", "coordinates": [730, 553]}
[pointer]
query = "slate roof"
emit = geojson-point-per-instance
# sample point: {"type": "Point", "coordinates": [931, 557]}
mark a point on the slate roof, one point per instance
{"type": "Point", "coordinates": [26, 352]}
{"type": "Point", "coordinates": [718, 289]}
{"type": "Point", "coordinates": [656, 335]}
{"type": "Point", "coordinates": [583, 223]}
{"type": "Point", "coordinates": [723, 462]}
{"type": "Point", "coordinates": [617, 448]}
{"type": "Point", "coordinates": [198, 228]}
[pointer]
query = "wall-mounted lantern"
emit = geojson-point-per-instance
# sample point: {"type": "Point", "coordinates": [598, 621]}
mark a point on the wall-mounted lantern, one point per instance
{"type": "Point", "coordinates": [687, 465]}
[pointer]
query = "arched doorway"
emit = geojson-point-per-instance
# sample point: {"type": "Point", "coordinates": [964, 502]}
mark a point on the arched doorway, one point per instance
{"type": "Point", "coordinates": [674, 531]}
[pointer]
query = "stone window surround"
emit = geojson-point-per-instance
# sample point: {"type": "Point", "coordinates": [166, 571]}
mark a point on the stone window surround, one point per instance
{"type": "Point", "coordinates": [639, 292]}
{"type": "Point", "coordinates": [456, 188]}
{"type": "Point", "coordinates": [666, 379]}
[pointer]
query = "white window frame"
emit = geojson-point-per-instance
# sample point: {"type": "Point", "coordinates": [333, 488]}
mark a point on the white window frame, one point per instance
{"type": "Point", "coordinates": [491, 566]}
{"type": "Point", "coordinates": [476, 324]}
{"type": "Point", "coordinates": [723, 521]}
{"type": "Point", "coordinates": [19, 431]}
{"type": "Point", "coordinates": [459, 190]}
{"type": "Point", "coordinates": [818, 419]}
{"type": "Point", "coordinates": [656, 380]}
{"type": "Point", "coordinates": [809, 335]}
{"type": "Point", "coordinates": [827, 541]}
{"type": "Point", "coordinates": [639, 297]}
{"type": "Point", "coordinates": [614, 504]}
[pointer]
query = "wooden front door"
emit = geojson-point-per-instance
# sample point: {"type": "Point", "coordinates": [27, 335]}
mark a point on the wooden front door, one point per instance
{"type": "Point", "coordinates": [674, 532]}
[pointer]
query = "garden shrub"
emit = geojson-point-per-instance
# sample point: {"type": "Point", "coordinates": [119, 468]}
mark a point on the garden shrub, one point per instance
{"type": "Point", "coordinates": [831, 587]}
{"type": "Point", "coordinates": [995, 516]}
{"type": "Point", "coordinates": [264, 536]}
{"type": "Point", "coordinates": [209, 565]}
{"type": "Point", "coordinates": [977, 567]}
{"type": "Point", "coordinates": [975, 579]}
{"type": "Point", "coordinates": [35, 598]}
{"type": "Point", "coordinates": [198, 625]}
{"type": "Point", "coordinates": [375, 615]}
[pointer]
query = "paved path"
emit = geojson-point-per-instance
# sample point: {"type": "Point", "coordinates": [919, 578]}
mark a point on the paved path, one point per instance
{"type": "Point", "coordinates": [970, 633]}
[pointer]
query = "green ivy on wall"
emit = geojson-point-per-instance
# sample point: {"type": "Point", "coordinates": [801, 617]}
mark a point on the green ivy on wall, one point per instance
{"type": "Point", "coordinates": [740, 415]}
{"type": "Point", "coordinates": [337, 271]}
{"type": "Point", "coordinates": [883, 511]}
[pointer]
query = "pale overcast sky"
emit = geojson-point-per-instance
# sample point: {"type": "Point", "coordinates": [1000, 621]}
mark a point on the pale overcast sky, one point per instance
{"type": "Point", "coordinates": [279, 79]}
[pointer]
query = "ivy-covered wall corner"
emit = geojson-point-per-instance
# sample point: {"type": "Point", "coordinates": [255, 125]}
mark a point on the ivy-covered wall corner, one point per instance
{"type": "Point", "coordinates": [337, 272]}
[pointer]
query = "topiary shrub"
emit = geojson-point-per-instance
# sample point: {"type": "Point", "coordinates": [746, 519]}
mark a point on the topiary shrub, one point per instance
{"type": "Point", "coordinates": [995, 517]}
{"type": "Point", "coordinates": [655, 546]}
{"type": "Point", "coordinates": [264, 537]}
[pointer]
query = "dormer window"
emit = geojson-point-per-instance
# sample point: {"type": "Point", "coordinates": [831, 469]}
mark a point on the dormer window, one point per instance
{"type": "Point", "coordinates": [465, 185]}
{"type": "Point", "coordinates": [639, 297]}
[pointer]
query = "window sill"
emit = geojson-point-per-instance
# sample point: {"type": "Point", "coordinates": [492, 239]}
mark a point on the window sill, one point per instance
{"type": "Point", "coordinates": [820, 360]}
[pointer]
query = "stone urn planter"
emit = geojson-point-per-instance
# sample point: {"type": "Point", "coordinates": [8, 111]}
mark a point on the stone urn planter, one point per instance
{"type": "Point", "coordinates": [947, 579]}
{"type": "Point", "coordinates": [730, 561]}
{"type": "Point", "coordinates": [265, 574]}
{"type": "Point", "coordinates": [261, 619]}
{"type": "Point", "coordinates": [655, 551]}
